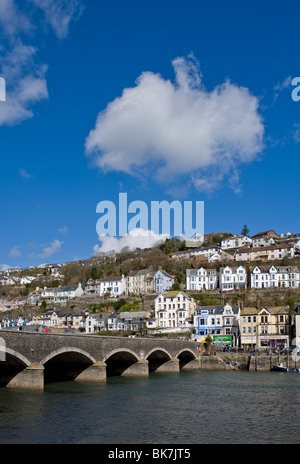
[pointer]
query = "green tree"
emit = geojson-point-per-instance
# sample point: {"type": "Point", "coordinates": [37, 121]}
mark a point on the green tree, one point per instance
{"type": "Point", "coordinates": [245, 230]}
{"type": "Point", "coordinates": [208, 341]}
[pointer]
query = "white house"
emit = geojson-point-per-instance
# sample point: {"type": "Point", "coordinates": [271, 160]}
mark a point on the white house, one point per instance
{"type": "Point", "coordinates": [201, 279]}
{"type": "Point", "coordinates": [272, 276]}
{"type": "Point", "coordinates": [27, 280]}
{"type": "Point", "coordinates": [232, 278]}
{"type": "Point", "coordinates": [113, 286]}
{"type": "Point", "coordinates": [238, 241]}
{"type": "Point", "coordinates": [94, 322]}
{"type": "Point", "coordinates": [62, 294]}
{"type": "Point", "coordinates": [174, 310]}
{"type": "Point", "coordinates": [205, 252]}
{"type": "Point", "coordinates": [262, 241]}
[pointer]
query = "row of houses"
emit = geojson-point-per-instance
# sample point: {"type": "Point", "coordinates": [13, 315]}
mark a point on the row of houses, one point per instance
{"type": "Point", "coordinates": [248, 328]}
{"type": "Point", "coordinates": [229, 278]}
{"type": "Point", "coordinates": [232, 278]}
{"type": "Point", "coordinates": [247, 254]}
{"type": "Point", "coordinates": [267, 327]}
{"type": "Point", "coordinates": [136, 282]}
{"type": "Point", "coordinates": [262, 239]}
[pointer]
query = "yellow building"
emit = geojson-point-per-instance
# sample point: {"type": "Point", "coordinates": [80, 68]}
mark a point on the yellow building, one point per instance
{"type": "Point", "coordinates": [265, 328]}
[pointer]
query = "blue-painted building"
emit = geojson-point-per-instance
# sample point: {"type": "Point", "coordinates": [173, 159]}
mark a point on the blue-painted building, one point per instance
{"type": "Point", "coordinates": [217, 320]}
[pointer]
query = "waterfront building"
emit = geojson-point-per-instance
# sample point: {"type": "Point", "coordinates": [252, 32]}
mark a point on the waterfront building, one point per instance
{"type": "Point", "coordinates": [217, 320]}
{"type": "Point", "coordinates": [249, 327]}
{"type": "Point", "coordinates": [296, 331]}
{"type": "Point", "coordinates": [265, 328]}
{"type": "Point", "coordinates": [174, 310]}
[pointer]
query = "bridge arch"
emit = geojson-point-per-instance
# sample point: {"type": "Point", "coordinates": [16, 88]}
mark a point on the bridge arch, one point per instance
{"type": "Point", "coordinates": [185, 357]}
{"type": "Point", "coordinates": [66, 350]}
{"type": "Point", "coordinates": [11, 365]}
{"type": "Point", "coordinates": [157, 357]}
{"type": "Point", "coordinates": [120, 361]}
{"type": "Point", "coordinates": [66, 363]}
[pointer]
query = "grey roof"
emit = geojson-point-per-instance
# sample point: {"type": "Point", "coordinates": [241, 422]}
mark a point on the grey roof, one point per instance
{"type": "Point", "coordinates": [218, 309]}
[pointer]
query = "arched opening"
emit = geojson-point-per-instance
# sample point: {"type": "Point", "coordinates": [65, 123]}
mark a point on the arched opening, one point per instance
{"type": "Point", "coordinates": [11, 367]}
{"type": "Point", "coordinates": [185, 358]}
{"type": "Point", "coordinates": [157, 358]}
{"type": "Point", "coordinates": [119, 363]}
{"type": "Point", "coordinates": [65, 365]}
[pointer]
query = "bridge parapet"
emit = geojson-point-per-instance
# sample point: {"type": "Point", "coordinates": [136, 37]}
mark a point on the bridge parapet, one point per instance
{"type": "Point", "coordinates": [88, 357]}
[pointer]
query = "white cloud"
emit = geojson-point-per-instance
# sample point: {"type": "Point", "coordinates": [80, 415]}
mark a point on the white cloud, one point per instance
{"type": "Point", "coordinates": [25, 83]}
{"type": "Point", "coordinates": [15, 251]}
{"type": "Point", "coordinates": [63, 230]}
{"type": "Point", "coordinates": [25, 174]}
{"type": "Point", "coordinates": [136, 238]}
{"type": "Point", "coordinates": [59, 13]}
{"type": "Point", "coordinates": [25, 77]}
{"type": "Point", "coordinates": [280, 86]}
{"type": "Point", "coordinates": [11, 19]}
{"type": "Point", "coordinates": [165, 130]}
{"type": "Point", "coordinates": [53, 248]}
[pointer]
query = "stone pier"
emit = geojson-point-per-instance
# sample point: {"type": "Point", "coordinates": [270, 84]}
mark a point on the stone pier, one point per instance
{"type": "Point", "coordinates": [94, 373]}
{"type": "Point", "coordinates": [169, 366]}
{"type": "Point", "coordinates": [32, 377]}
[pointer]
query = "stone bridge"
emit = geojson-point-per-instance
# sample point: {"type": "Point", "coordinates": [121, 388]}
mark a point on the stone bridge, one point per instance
{"type": "Point", "coordinates": [31, 359]}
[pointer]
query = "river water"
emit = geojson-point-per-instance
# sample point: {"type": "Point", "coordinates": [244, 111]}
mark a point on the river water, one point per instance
{"type": "Point", "coordinates": [190, 407]}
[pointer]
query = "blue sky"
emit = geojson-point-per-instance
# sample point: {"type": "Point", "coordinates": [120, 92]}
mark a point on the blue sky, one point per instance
{"type": "Point", "coordinates": [194, 103]}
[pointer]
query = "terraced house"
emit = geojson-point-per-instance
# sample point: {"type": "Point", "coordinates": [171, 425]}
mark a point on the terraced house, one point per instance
{"type": "Point", "coordinates": [232, 278]}
{"type": "Point", "coordinates": [217, 320]}
{"type": "Point", "coordinates": [265, 253]}
{"type": "Point", "coordinates": [201, 279]}
{"type": "Point", "coordinates": [272, 277]}
{"type": "Point", "coordinates": [265, 328]}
